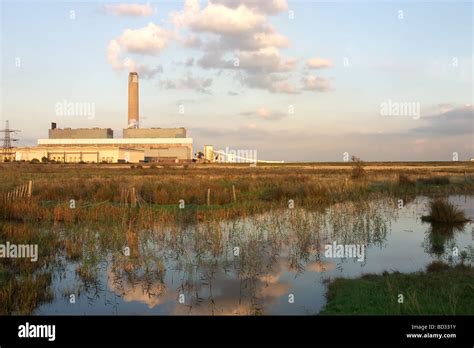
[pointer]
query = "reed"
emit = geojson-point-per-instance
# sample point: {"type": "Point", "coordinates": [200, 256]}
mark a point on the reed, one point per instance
{"type": "Point", "coordinates": [443, 211]}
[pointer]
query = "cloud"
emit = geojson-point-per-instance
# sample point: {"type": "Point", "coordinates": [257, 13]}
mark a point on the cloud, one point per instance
{"type": "Point", "coordinates": [191, 41]}
{"type": "Point", "coordinates": [274, 83]}
{"type": "Point", "coordinates": [267, 6]}
{"type": "Point", "coordinates": [450, 121]}
{"type": "Point", "coordinates": [114, 52]}
{"type": "Point", "coordinates": [189, 82]}
{"type": "Point", "coordinates": [146, 71]}
{"type": "Point", "coordinates": [427, 143]}
{"type": "Point", "coordinates": [264, 114]}
{"type": "Point", "coordinates": [150, 40]}
{"type": "Point", "coordinates": [445, 107]}
{"type": "Point", "coordinates": [217, 18]}
{"type": "Point", "coordinates": [133, 10]}
{"type": "Point", "coordinates": [316, 83]}
{"type": "Point", "coordinates": [227, 33]}
{"type": "Point", "coordinates": [265, 60]}
{"type": "Point", "coordinates": [241, 31]}
{"type": "Point", "coordinates": [318, 63]}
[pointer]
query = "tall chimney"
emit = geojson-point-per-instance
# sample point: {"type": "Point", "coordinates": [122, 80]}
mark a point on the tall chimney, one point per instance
{"type": "Point", "coordinates": [133, 117]}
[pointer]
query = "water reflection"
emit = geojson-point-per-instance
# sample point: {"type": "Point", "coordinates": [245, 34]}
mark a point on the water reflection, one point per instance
{"type": "Point", "coordinates": [244, 266]}
{"type": "Point", "coordinates": [440, 239]}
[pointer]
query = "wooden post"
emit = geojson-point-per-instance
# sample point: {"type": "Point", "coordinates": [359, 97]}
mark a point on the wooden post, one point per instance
{"type": "Point", "coordinates": [233, 193]}
{"type": "Point", "coordinates": [208, 197]}
{"type": "Point", "coordinates": [29, 188]}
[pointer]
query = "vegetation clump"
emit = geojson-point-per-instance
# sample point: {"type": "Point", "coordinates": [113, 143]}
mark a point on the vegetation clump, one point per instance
{"type": "Point", "coordinates": [443, 211]}
{"type": "Point", "coordinates": [358, 170]}
{"type": "Point", "coordinates": [404, 180]}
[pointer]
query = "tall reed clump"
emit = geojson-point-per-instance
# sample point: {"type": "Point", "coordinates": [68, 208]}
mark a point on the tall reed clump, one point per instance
{"type": "Point", "coordinates": [358, 170]}
{"type": "Point", "coordinates": [443, 211]}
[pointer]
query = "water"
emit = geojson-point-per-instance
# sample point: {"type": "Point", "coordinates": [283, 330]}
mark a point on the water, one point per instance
{"type": "Point", "coordinates": [249, 266]}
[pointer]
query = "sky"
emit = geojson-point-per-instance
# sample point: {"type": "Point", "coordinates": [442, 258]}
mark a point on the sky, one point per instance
{"type": "Point", "coordinates": [294, 80]}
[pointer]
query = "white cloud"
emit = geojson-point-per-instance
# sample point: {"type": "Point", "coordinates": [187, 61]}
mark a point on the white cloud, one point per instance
{"type": "Point", "coordinates": [189, 82]}
{"type": "Point", "coordinates": [265, 60]}
{"type": "Point", "coordinates": [263, 6]}
{"type": "Point", "coordinates": [316, 83]}
{"type": "Point", "coordinates": [134, 10]}
{"type": "Point", "coordinates": [243, 32]}
{"type": "Point", "coordinates": [113, 55]}
{"type": "Point", "coordinates": [217, 18]}
{"type": "Point", "coordinates": [264, 114]}
{"type": "Point", "coordinates": [274, 83]}
{"type": "Point", "coordinates": [149, 40]}
{"type": "Point", "coordinates": [270, 38]}
{"type": "Point", "coordinates": [191, 41]}
{"type": "Point", "coordinates": [318, 63]}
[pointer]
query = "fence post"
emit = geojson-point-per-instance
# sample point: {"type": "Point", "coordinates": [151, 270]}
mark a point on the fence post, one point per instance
{"type": "Point", "coordinates": [29, 188]}
{"type": "Point", "coordinates": [208, 197]}
{"type": "Point", "coordinates": [233, 193]}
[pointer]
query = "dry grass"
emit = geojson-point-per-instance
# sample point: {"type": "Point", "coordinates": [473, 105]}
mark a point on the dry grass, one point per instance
{"type": "Point", "coordinates": [96, 189]}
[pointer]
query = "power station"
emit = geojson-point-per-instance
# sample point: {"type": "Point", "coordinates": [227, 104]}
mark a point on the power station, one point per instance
{"type": "Point", "coordinates": [98, 145]}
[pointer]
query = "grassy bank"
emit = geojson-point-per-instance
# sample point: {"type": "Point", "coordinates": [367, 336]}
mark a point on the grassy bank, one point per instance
{"type": "Point", "coordinates": [97, 190]}
{"type": "Point", "coordinates": [440, 290]}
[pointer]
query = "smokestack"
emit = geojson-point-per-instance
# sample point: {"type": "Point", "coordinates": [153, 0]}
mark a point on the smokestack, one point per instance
{"type": "Point", "coordinates": [133, 117]}
{"type": "Point", "coordinates": [53, 125]}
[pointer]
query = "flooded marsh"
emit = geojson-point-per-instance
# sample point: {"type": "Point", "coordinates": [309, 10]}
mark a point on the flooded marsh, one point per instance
{"type": "Point", "coordinates": [267, 263]}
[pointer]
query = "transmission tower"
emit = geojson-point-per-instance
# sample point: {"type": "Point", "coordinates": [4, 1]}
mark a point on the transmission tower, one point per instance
{"type": "Point", "coordinates": [7, 153]}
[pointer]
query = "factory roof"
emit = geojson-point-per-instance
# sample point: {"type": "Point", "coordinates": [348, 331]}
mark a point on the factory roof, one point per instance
{"type": "Point", "coordinates": [115, 141]}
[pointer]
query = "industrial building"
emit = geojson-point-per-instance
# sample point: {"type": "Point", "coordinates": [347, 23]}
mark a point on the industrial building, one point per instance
{"type": "Point", "coordinates": [98, 145]}
{"type": "Point", "coordinates": [81, 154]}
{"type": "Point", "coordinates": [79, 133]}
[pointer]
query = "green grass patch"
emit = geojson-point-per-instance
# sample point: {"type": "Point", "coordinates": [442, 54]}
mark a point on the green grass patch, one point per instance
{"type": "Point", "coordinates": [441, 291]}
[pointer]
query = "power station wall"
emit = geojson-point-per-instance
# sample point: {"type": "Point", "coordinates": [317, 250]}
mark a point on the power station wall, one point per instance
{"type": "Point", "coordinates": [81, 133]}
{"type": "Point", "coordinates": [180, 148]}
{"type": "Point", "coordinates": [179, 152]}
{"type": "Point", "coordinates": [154, 133]}
{"type": "Point", "coordinates": [89, 154]}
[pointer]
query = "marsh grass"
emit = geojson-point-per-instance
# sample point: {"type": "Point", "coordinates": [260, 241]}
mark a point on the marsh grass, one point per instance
{"type": "Point", "coordinates": [435, 180]}
{"type": "Point", "coordinates": [24, 285]}
{"type": "Point", "coordinates": [406, 181]}
{"type": "Point", "coordinates": [423, 295]}
{"type": "Point", "coordinates": [443, 211]}
{"type": "Point", "coordinates": [97, 191]}
{"type": "Point", "coordinates": [192, 241]}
